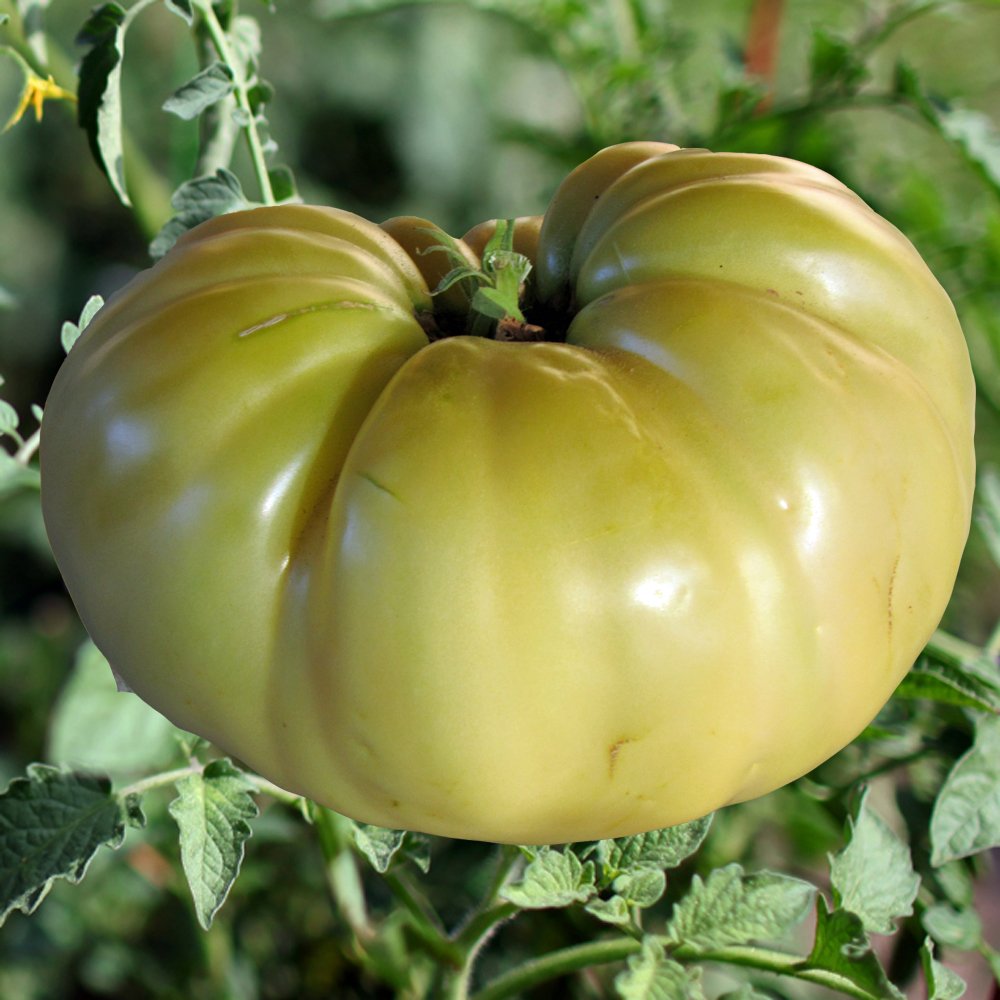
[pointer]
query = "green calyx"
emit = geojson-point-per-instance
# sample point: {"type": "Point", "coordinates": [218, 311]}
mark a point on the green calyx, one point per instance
{"type": "Point", "coordinates": [496, 287]}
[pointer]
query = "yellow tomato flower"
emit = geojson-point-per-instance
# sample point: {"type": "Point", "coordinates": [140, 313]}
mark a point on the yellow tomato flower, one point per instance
{"type": "Point", "coordinates": [36, 92]}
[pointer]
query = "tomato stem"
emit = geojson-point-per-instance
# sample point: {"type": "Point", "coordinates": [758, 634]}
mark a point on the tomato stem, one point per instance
{"type": "Point", "coordinates": [575, 958]}
{"type": "Point", "coordinates": [241, 93]}
{"type": "Point", "coordinates": [496, 292]}
{"type": "Point", "coordinates": [160, 780]}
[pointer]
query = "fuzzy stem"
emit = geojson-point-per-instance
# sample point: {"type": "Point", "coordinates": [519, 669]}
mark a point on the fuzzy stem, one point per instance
{"type": "Point", "coordinates": [583, 956]}
{"type": "Point", "coordinates": [221, 42]}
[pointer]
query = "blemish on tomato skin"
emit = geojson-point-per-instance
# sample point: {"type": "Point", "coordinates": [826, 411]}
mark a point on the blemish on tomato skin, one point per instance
{"type": "Point", "coordinates": [614, 750]}
{"type": "Point", "coordinates": [889, 594]}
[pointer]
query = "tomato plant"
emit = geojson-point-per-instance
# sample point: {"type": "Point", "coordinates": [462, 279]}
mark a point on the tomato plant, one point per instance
{"type": "Point", "coordinates": [618, 531]}
{"type": "Point", "coordinates": [672, 551]}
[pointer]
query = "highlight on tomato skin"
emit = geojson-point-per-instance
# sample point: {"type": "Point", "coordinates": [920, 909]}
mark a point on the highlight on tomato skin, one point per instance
{"type": "Point", "coordinates": [667, 541]}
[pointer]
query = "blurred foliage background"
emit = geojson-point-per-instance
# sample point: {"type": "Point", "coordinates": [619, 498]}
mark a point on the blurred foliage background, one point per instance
{"type": "Point", "coordinates": [458, 112]}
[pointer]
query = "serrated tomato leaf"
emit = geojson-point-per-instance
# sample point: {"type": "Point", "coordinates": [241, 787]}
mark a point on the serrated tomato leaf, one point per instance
{"type": "Point", "coordinates": [384, 848]}
{"type": "Point", "coordinates": [650, 975]}
{"type": "Point", "coordinates": [873, 875]}
{"type": "Point", "coordinates": [665, 848]}
{"type": "Point", "coordinates": [552, 879]}
{"type": "Point", "coordinates": [730, 907]}
{"type": "Point", "coordinates": [99, 107]}
{"type": "Point", "coordinates": [966, 815]}
{"type": "Point", "coordinates": [950, 684]}
{"type": "Point", "coordinates": [212, 810]}
{"type": "Point", "coordinates": [203, 90]}
{"type": "Point", "coordinates": [52, 823]}
{"type": "Point", "coordinates": [196, 201]}
{"type": "Point", "coordinates": [841, 947]}
{"type": "Point", "coordinates": [942, 983]}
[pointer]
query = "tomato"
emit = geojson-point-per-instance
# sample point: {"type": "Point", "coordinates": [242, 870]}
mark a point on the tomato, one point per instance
{"type": "Point", "coordinates": [670, 556]}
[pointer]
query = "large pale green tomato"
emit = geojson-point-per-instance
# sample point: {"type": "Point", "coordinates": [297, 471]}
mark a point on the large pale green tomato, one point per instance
{"type": "Point", "coordinates": [669, 559]}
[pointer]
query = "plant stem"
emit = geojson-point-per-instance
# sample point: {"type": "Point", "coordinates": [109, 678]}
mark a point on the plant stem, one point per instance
{"type": "Point", "coordinates": [556, 964]}
{"type": "Point", "coordinates": [472, 934]}
{"type": "Point", "coordinates": [777, 962]}
{"type": "Point", "coordinates": [342, 875]}
{"type": "Point", "coordinates": [582, 956]}
{"type": "Point", "coordinates": [269, 788]}
{"type": "Point", "coordinates": [221, 42]}
{"type": "Point", "coordinates": [159, 780]}
{"type": "Point", "coordinates": [425, 923]}
{"type": "Point", "coordinates": [26, 450]}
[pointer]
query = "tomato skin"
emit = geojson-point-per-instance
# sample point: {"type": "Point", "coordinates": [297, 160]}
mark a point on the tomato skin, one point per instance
{"type": "Point", "coordinates": [531, 592]}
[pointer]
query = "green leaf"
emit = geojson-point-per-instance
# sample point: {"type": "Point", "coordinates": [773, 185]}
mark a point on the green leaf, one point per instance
{"type": "Point", "coordinates": [52, 823]}
{"type": "Point", "coordinates": [283, 184]}
{"type": "Point", "coordinates": [956, 883]}
{"type": "Point", "coordinates": [641, 887]}
{"type": "Point", "coordinates": [553, 879]}
{"type": "Point", "coordinates": [95, 726]}
{"type": "Point", "coordinates": [842, 948]}
{"type": "Point", "coordinates": [873, 875]}
{"type": "Point", "coordinates": [183, 9]}
{"type": "Point", "coordinates": [613, 910]}
{"type": "Point", "coordinates": [71, 331]}
{"type": "Point", "coordinates": [834, 64]}
{"type": "Point", "coordinates": [942, 983]}
{"type": "Point", "coordinates": [503, 274]}
{"type": "Point", "coordinates": [950, 684]}
{"type": "Point", "coordinates": [974, 133]}
{"type": "Point", "coordinates": [665, 848]}
{"type": "Point", "coordinates": [378, 844]}
{"type": "Point", "coordinates": [14, 476]}
{"type": "Point", "coordinates": [490, 303]}
{"type": "Point", "coordinates": [461, 273]}
{"type": "Point", "coordinates": [745, 992]}
{"type": "Point", "coordinates": [99, 105]}
{"type": "Point", "coordinates": [245, 38]}
{"type": "Point", "coordinates": [906, 83]}
{"type": "Point", "coordinates": [953, 928]}
{"type": "Point", "coordinates": [731, 908]}
{"type": "Point", "coordinates": [737, 102]}
{"type": "Point", "coordinates": [9, 419]}
{"type": "Point", "coordinates": [966, 815]}
{"type": "Point", "coordinates": [212, 810]}
{"type": "Point", "coordinates": [259, 95]}
{"type": "Point", "coordinates": [507, 271]}
{"type": "Point", "coordinates": [195, 202]}
{"type": "Point", "coordinates": [383, 847]}
{"type": "Point", "coordinates": [200, 92]}
{"type": "Point", "coordinates": [650, 975]}
{"type": "Point", "coordinates": [987, 509]}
